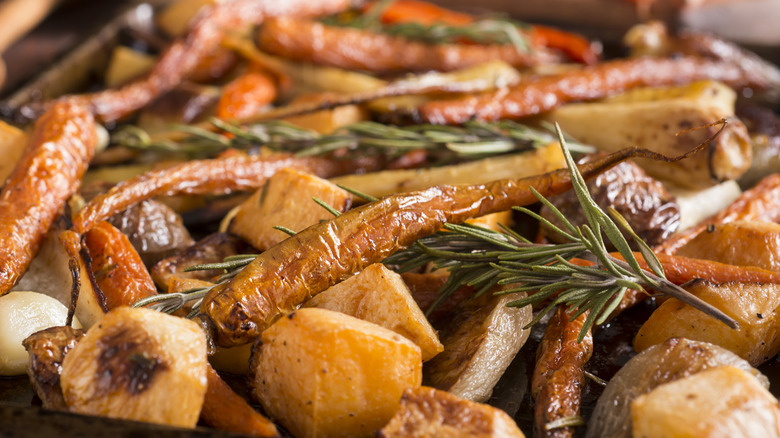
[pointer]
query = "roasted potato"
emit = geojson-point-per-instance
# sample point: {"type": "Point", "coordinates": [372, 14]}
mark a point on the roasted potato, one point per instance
{"type": "Point", "coordinates": [322, 373]}
{"type": "Point", "coordinates": [134, 364]}
{"type": "Point", "coordinates": [742, 243]}
{"type": "Point", "coordinates": [720, 402]}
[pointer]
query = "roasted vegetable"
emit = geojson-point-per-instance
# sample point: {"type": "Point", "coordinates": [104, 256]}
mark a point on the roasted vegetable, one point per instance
{"type": "Point", "coordinates": [378, 295]}
{"type": "Point", "coordinates": [211, 249]}
{"type": "Point", "coordinates": [47, 349]}
{"type": "Point", "coordinates": [133, 364]}
{"type": "Point", "coordinates": [323, 373]}
{"type": "Point", "coordinates": [427, 412]}
{"type": "Point", "coordinates": [674, 359]}
{"type": "Point", "coordinates": [480, 341]}
{"type": "Point", "coordinates": [719, 402]}
{"type": "Point", "coordinates": [739, 243]}
{"type": "Point", "coordinates": [754, 306]}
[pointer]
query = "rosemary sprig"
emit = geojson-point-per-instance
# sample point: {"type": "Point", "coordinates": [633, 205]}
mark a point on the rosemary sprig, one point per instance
{"type": "Point", "coordinates": [550, 273]}
{"type": "Point", "coordinates": [445, 143]}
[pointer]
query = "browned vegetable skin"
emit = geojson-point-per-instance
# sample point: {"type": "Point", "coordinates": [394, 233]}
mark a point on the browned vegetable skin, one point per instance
{"type": "Point", "coordinates": [557, 381]}
{"type": "Point", "coordinates": [49, 172]}
{"type": "Point", "coordinates": [225, 410]}
{"type": "Point", "coordinates": [216, 176]}
{"type": "Point", "coordinates": [545, 93]}
{"type": "Point", "coordinates": [47, 349]}
{"type": "Point", "coordinates": [286, 275]}
{"type": "Point", "coordinates": [203, 38]}
{"type": "Point", "coordinates": [117, 269]}
{"type": "Point", "coordinates": [358, 49]}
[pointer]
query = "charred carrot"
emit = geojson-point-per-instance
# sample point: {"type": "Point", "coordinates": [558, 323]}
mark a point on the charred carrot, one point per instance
{"type": "Point", "coordinates": [223, 409]}
{"type": "Point", "coordinates": [116, 267]}
{"type": "Point", "coordinates": [556, 385]}
{"type": "Point", "coordinates": [574, 46]}
{"type": "Point", "coordinates": [358, 49]}
{"type": "Point", "coordinates": [284, 276]}
{"type": "Point", "coordinates": [246, 95]}
{"type": "Point", "coordinates": [545, 93]}
{"type": "Point", "coordinates": [49, 172]}
{"type": "Point", "coordinates": [216, 176]}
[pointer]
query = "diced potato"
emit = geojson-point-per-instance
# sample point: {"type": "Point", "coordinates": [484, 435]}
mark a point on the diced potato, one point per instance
{"type": "Point", "coordinates": [720, 402]}
{"type": "Point", "coordinates": [379, 295]}
{"type": "Point", "coordinates": [427, 412]}
{"type": "Point", "coordinates": [322, 373]}
{"type": "Point", "coordinates": [175, 18]}
{"type": "Point", "coordinates": [753, 306]}
{"type": "Point", "coordinates": [741, 243]}
{"type": "Point", "coordinates": [138, 364]}
{"type": "Point", "coordinates": [23, 313]}
{"type": "Point", "coordinates": [387, 182]}
{"type": "Point", "coordinates": [12, 144]}
{"type": "Point", "coordinates": [659, 119]}
{"type": "Point", "coordinates": [480, 341]}
{"type": "Point", "coordinates": [286, 200]}
{"type": "Point", "coordinates": [127, 64]}
{"type": "Point", "coordinates": [697, 205]}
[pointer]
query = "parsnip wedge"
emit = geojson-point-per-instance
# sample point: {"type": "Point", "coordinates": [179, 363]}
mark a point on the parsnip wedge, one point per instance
{"type": "Point", "coordinates": [674, 359]}
{"type": "Point", "coordinates": [387, 182]}
{"type": "Point", "coordinates": [660, 120]}
{"type": "Point", "coordinates": [722, 402]}
{"type": "Point", "coordinates": [133, 364]}
{"type": "Point", "coordinates": [322, 373]}
{"type": "Point", "coordinates": [479, 344]}
{"type": "Point", "coordinates": [379, 295]}
{"type": "Point", "coordinates": [428, 412]}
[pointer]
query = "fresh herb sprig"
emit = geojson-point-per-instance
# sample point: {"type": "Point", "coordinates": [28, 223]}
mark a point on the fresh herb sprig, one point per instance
{"type": "Point", "coordinates": [445, 144]}
{"type": "Point", "coordinates": [550, 273]}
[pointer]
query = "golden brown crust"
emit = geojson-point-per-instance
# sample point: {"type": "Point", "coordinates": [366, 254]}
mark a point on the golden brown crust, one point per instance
{"type": "Point", "coordinates": [601, 80]}
{"type": "Point", "coordinates": [557, 380]}
{"type": "Point", "coordinates": [357, 49]}
{"type": "Point", "coordinates": [49, 172]}
{"type": "Point", "coordinates": [47, 349]}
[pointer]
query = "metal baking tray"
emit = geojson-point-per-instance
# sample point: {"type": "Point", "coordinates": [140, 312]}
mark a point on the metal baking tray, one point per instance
{"type": "Point", "coordinates": [20, 411]}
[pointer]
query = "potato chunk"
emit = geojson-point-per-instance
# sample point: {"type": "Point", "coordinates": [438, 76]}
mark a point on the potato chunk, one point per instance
{"type": "Point", "coordinates": [741, 243]}
{"type": "Point", "coordinates": [322, 373]}
{"type": "Point", "coordinates": [138, 364]}
{"type": "Point", "coordinates": [719, 402]}
{"type": "Point", "coordinates": [428, 412]}
{"type": "Point", "coordinates": [286, 200]}
{"type": "Point", "coordinates": [753, 306]}
{"type": "Point", "coordinates": [379, 295]}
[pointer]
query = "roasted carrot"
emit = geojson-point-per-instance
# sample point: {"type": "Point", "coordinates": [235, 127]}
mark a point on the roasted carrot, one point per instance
{"type": "Point", "coordinates": [284, 276]}
{"type": "Point", "coordinates": [574, 46]}
{"type": "Point", "coordinates": [49, 172]}
{"type": "Point", "coordinates": [204, 36]}
{"type": "Point", "coordinates": [358, 49]}
{"type": "Point", "coordinates": [215, 176]}
{"type": "Point", "coordinates": [223, 409]}
{"type": "Point", "coordinates": [545, 93]}
{"type": "Point", "coordinates": [246, 95]}
{"type": "Point", "coordinates": [556, 385]}
{"type": "Point", "coordinates": [117, 269]}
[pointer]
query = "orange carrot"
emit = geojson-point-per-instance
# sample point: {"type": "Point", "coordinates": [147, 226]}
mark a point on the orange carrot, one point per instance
{"type": "Point", "coordinates": [225, 410]}
{"type": "Point", "coordinates": [680, 270]}
{"type": "Point", "coordinates": [414, 11]}
{"type": "Point", "coordinates": [246, 95]}
{"type": "Point", "coordinates": [116, 267]}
